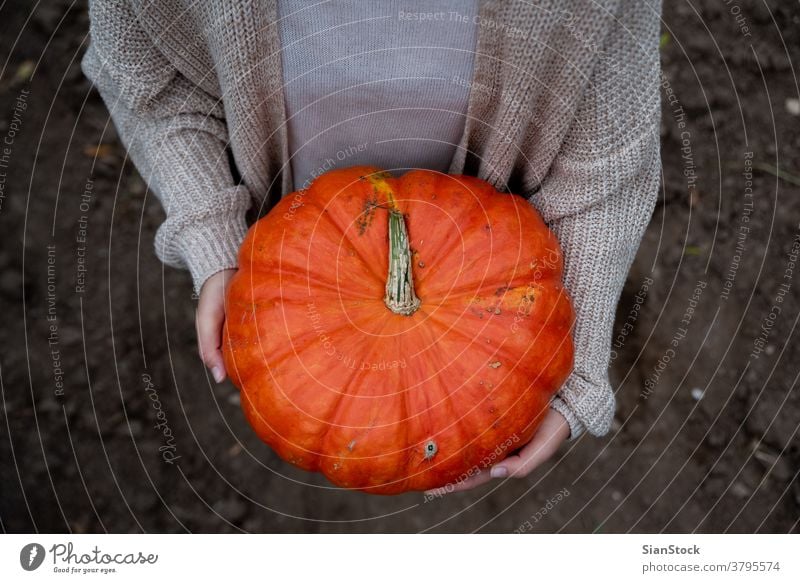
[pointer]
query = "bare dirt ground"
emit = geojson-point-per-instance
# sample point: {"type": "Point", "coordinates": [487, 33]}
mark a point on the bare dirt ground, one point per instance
{"type": "Point", "coordinates": [706, 359]}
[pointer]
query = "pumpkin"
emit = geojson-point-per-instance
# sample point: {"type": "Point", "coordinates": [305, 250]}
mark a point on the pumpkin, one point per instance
{"type": "Point", "coordinates": [397, 333]}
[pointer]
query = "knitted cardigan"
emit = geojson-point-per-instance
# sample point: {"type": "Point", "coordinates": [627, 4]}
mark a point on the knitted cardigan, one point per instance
{"type": "Point", "coordinates": [564, 109]}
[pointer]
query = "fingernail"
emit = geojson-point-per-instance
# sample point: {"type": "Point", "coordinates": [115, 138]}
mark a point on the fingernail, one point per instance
{"type": "Point", "coordinates": [217, 373]}
{"type": "Point", "coordinates": [499, 472]}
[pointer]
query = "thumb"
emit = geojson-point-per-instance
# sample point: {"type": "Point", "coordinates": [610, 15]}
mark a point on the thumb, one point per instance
{"type": "Point", "coordinates": [209, 334]}
{"type": "Point", "coordinates": [553, 431]}
{"type": "Point", "coordinates": [210, 320]}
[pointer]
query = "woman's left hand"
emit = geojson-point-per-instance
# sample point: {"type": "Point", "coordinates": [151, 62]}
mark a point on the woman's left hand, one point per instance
{"type": "Point", "coordinates": [210, 320]}
{"type": "Point", "coordinates": [553, 431]}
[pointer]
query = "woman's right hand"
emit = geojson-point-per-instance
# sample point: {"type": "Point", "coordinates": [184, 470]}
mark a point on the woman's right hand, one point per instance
{"type": "Point", "coordinates": [210, 319]}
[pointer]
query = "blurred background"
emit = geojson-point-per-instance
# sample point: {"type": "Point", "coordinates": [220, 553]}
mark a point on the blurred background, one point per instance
{"type": "Point", "coordinates": [706, 360]}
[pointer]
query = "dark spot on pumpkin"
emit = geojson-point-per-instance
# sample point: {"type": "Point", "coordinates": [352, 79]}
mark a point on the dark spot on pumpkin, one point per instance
{"type": "Point", "coordinates": [501, 290]}
{"type": "Point", "coordinates": [488, 227]}
{"type": "Point", "coordinates": [430, 449]}
{"type": "Point", "coordinates": [367, 215]}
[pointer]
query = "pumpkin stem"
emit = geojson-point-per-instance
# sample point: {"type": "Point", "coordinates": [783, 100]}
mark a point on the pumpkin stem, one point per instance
{"type": "Point", "coordinates": [400, 297]}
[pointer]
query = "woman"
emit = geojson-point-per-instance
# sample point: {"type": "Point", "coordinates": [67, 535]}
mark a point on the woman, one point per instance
{"type": "Point", "coordinates": [223, 105]}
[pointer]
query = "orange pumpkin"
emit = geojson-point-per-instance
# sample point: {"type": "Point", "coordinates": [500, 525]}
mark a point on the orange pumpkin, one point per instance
{"type": "Point", "coordinates": [398, 334]}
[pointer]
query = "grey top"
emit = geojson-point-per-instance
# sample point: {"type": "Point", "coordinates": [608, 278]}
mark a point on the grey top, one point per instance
{"type": "Point", "coordinates": [564, 107]}
{"type": "Point", "coordinates": [371, 83]}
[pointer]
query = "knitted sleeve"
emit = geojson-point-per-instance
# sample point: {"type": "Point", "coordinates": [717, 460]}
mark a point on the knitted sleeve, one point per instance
{"type": "Point", "coordinates": [176, 136]}
{"type": "Point", "coordinates": [598, 199]}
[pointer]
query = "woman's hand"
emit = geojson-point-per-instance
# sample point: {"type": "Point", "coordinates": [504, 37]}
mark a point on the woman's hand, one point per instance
{"type": "Point", "coordinates": [553, 431]}
{"type": "Point", "coordinates": [210, 318]}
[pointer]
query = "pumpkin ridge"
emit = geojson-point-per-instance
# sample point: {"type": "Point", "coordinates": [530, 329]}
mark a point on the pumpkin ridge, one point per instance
{"type": "Point", "coordinates": [432, 280]}
{"type": "Point", "coordinates": [336, 409]}
{"type": "Point", "coordinates": [344, 236]}
{"type": "Point", "coordinates": [405, 391]}
{"type": "Point", "coordinates": [471, 289]}
{"type": "Point", "coordinates": [428, 427]}
{"type": "Point", "coordinates": [304, 282]}
{"type": "Point", "coordinates": [492, 351]}
{"type": "Point", "coordinates": [332, 423]}
{"type": "Point", "coordinates": [455, 361]}
{"type": "Point", "coordinates": [276, 355]}
{"type": "Point", "coordinates": [476, 200]}
{"type": "Point", "coordinates": [318, 452]}
{"type": "Point", "coordinates": [463, 419]}
{"type": "Point", "coordinates": [514, 360]}
{"type": "Point", "coordinates": [463, 415]}
{"type": "Point", "coordinates": [507, 350]}
{"type": "Point", "coordinates": [406, 411]}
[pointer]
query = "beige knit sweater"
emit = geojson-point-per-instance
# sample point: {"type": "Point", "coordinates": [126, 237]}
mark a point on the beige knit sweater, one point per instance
{"type": "Point", "coordinates": [564, 108]}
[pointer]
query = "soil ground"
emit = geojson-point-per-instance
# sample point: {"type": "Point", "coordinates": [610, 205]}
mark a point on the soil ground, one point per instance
{"type": "Point", "coordinates": [705, 437]}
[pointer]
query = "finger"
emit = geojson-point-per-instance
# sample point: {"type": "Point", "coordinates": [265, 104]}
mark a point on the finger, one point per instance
{"type": "Point", "coordinates": [210, 318]}
{"type": "Point", "coordinates": [538, 451]}
{"type": "Point", "coordinates": [545, 443]}
{"type": "Point", "coordinates": [520, 465]}
{"type": "Point", "coordinates": [461, 485]}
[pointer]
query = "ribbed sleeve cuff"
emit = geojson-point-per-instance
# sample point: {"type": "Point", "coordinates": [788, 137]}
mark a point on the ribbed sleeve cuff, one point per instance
{"type": "Point", "coordinates": [586, 406]}
{"type": "Point", "coordinates": [576, 428]}
{"type": "Point", "coordinates": [210, 246]}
